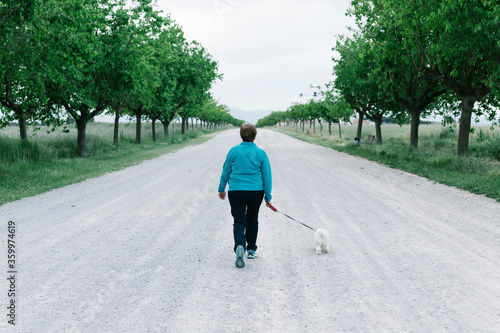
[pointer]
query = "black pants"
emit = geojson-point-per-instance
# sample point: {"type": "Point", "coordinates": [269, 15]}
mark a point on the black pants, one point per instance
{"type": "Point", "coordinates": [245, 210]}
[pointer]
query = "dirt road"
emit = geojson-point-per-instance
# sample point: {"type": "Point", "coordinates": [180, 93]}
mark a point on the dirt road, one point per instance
{"type": "Point", "coordinates": [149, 249]}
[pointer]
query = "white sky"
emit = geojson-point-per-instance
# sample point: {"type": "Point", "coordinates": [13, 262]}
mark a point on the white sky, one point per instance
{"type": "Point", "coordinates": [268, 51]}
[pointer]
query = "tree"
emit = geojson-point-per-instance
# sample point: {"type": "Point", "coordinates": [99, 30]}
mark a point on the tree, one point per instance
{"type": "Point", "coordinates": [298, 114]}
{"type": "Point", "coordinates": [163, 106]}
{"type": "Point", "coordinates": [272, 119]}
{"type": "Point", "coordinates": [22, 78]}
{"type": "Point", "coordinates": [212, 112]}
{"type": "Point", "coordinates": [187, 72]}
{"type": "Point", "coordinates": [313, 113]}
{"type": "Point", "coordinates": [460, 44]}
{"type": "Point", "coordinates": [357, 83]}
{"type": "Point", "coordinates": [335, 109]}
{"type": "Point", "coordinates": [145, 82]}
{"type": "Point", "coordinates": [197, 72]}
{"type": "Point", "coordinates": [126, 33]}
{"type": "Point", "coordinates": [397, 57]}
{"type": "Point", "coordinates": [78, 67]}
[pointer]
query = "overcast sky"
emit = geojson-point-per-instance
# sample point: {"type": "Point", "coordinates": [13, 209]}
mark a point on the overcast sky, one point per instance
{"type": "Point", "coordinates": [269, 51]}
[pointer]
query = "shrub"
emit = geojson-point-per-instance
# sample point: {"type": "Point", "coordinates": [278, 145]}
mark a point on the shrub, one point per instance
{"type": "Point", "coordinates": [446, 133]}
{"type": "Point", "coordinates": [469, 165]}
{"type": "Point", "coordinates": [440, 161]}
{"type": "Point", "coordinates": [489, 147]}
{"type": "Point", "coordinates": [15, 150]}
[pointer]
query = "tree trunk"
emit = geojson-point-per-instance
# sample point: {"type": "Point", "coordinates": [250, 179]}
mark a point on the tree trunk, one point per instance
{"type": "Point", "coordinates": [415, 122]}
{"type": "Point", "coordinates": [138, 127]}
{"type": "Point", "coordinates": [330, 127]}
{"type": "Point", "coordinates": [22, 127]}
{"type": "Point", "coordinates": [464, 127]}
{"type": "Point", "coordinates": [183, 127]}
{"type": "Point", "coordinates": [118, 107]}
{"type": "Point", "coordinates": [165, 128]}
{"type": "Point", "coordinates": [378, 128]}
{"type": "Point", "coordinates": [81, 125]}
{"type": "Point", "coordinates": [360, 124]}
{"type": "Point", "coordinates": [340, 130]}
{"type": "Point", "coordinates": [17, 108]}
{"type": "Point", "coordinates": [153, 128]}
{"type": "Point", "coordinates": [117, 126]}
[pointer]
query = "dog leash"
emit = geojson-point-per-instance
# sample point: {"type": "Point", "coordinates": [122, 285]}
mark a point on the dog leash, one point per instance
{"type": "Point", "coordinates": [276, 210]}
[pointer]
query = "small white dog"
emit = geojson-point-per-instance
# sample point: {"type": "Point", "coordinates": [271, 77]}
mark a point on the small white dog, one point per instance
{"type": "Point", "coordinates": [321, 241]}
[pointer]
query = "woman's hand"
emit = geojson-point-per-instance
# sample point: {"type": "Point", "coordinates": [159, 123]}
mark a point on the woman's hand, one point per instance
{"type": "Point", "coordinates": [222, 195]}
{"type": "Point", "coordinates": [268, 204]}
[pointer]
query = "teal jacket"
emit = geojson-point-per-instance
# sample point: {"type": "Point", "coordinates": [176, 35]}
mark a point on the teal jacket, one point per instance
{"type": "Point", "coordinates": [247, 168]}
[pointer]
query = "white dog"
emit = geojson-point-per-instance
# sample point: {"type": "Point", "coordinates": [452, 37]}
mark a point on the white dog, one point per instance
{"type": "Point", "coordinates": [321, 241]}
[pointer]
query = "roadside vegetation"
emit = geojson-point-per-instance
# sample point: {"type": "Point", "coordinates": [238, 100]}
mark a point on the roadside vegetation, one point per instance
{"type": "Point", "coordinates": [435, 158]}
{"type": "Point", "coordinates": [409, 60]}
{"type": "Point", "coordinates": [120, 58]}
{"type": "Point", "coordinates": [50, 160]}
{"type": "Point", "coordinates": [403, 62]}
{"type": "Point", "coordinates": [123, 59]}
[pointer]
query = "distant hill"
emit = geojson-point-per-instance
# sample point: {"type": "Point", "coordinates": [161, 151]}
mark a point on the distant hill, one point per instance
{"type": "Point", "coordinates": [251, 116]}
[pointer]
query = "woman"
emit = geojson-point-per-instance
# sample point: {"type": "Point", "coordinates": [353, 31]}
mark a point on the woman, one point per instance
{"type": "Point", "coordinates": [248, 172]}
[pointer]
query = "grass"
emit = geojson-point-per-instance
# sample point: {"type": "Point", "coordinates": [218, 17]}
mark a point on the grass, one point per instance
{"type": "Point", "coordinates": [435, 159]}
{"type": "Point", "coordinates": [48, 161]}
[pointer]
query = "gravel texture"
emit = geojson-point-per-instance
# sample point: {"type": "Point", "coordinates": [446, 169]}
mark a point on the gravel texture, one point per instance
{"type": "Point", "coordinates": [149, 249]}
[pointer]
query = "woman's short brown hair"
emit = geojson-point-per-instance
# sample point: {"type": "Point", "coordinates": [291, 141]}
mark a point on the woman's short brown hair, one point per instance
{"type": "Point", "coordinates": [248, 132]}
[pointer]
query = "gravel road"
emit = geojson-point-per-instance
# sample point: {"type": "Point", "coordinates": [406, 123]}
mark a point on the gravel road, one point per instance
{"type": "Point", "coordinates": [149, 249]}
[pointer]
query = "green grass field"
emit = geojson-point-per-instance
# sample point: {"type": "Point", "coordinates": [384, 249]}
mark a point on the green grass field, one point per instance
{"type": "Point", "coordinates": [436, 157]}
{"type": "Point", "coordinates": [47, 161]}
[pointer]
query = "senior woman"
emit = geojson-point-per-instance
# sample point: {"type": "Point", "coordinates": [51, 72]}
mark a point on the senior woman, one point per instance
{"type": "Point", "coordinates": [248, 172]}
